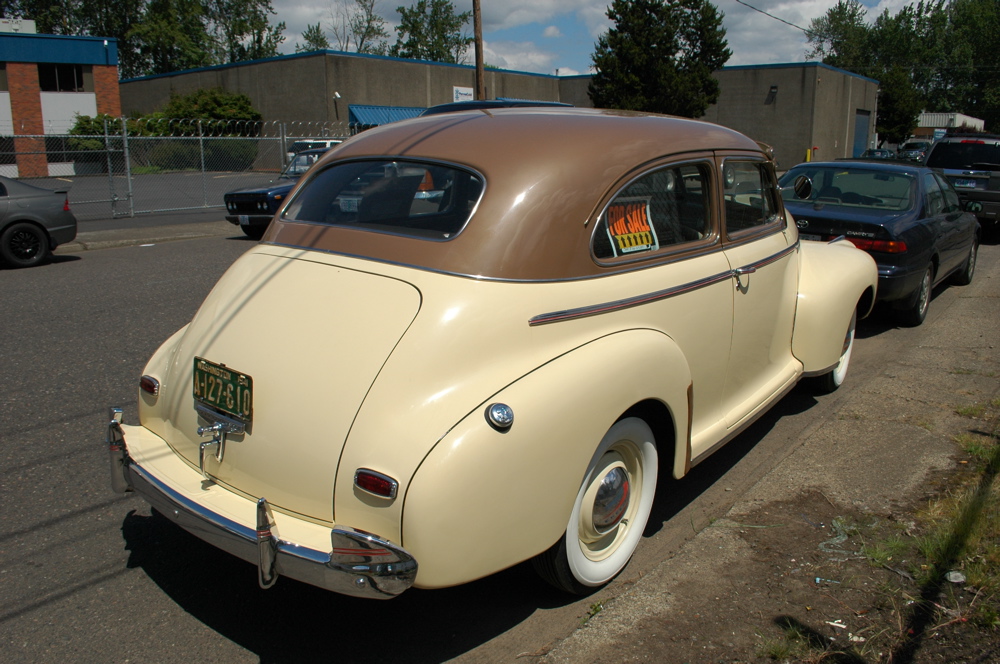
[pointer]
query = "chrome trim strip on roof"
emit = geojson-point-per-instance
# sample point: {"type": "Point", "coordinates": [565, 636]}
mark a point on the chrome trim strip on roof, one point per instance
{"type": "Point", "coordinates": [656, 296]}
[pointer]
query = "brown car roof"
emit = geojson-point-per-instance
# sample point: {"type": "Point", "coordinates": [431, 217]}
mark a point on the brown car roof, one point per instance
{"type": "Point", "coordinates": [547, 172]}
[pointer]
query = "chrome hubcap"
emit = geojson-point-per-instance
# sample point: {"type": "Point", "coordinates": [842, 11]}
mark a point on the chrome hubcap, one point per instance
{"type": "Point", "coordinates": [611, 501]}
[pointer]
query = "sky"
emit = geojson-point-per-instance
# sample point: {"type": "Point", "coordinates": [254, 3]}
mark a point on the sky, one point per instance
{"type": "Point", "coordinates": [558, 36]}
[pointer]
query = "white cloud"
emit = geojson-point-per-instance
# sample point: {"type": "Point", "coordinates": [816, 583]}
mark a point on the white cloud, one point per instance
{"type": "Point", "coordinates": [552, 32]}
{"type": "Point", "coordinates": [519, 56]}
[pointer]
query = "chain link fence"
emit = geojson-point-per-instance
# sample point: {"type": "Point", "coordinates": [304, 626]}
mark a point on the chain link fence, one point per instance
{"type": "Point", "coordinates": [147, 166]}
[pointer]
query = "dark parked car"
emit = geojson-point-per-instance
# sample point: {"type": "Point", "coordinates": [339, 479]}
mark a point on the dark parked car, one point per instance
{"type": "Point", "coordinates": [252, 209]}
{"type": "Point", "coordinates": [972, 164]}
{"type": "Point", "coordinates": [33, 222]}
{"type": "Point", "coordinates": [489, 104]}
{"type": "Point", "coordinates": [914, 150]}
{"type": "Point", "coordinates": [878, 153]}
{"type": "Point", "coordinates": [908, 217]}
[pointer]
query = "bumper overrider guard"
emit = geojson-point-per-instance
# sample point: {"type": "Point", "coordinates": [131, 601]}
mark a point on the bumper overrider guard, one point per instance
{"type": "Point", "coordinates": [358, 563]}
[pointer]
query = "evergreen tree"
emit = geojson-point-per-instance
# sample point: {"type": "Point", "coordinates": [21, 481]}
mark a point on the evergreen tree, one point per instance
{"type": "Point", "coordinates": [431, 30]}
{"type": "Point", "coordinates": [659, 57]}
{"type": "Point", "coordinates": [315, 40]}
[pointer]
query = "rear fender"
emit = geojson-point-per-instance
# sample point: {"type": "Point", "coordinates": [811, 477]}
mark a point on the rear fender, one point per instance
{"type": "Point", "coordinates": [834, 280]}
{"type": "Point", "coordinates": [483, 500]}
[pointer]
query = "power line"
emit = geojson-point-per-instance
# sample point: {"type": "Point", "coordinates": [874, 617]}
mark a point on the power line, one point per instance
{"type": "Point", "coordinates": [776, 18]}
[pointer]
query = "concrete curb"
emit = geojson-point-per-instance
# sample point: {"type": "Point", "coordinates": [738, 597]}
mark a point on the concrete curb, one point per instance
{"type": "Point", "coordinates": [90, 240]}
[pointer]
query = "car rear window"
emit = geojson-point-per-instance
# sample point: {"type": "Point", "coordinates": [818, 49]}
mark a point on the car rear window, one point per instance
{"type": "Point", "coordinates": [430, 201]}
{"type": "Point", "coordinates": [965, 154]}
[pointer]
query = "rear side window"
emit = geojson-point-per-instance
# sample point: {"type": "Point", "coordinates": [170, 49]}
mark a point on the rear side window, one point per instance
{"type": "Point", "coordinates": [423, 200]}
{"type": "Point", "coordinates": [659, 210]}
{"type": "Point", "coordinates": [967, 153]}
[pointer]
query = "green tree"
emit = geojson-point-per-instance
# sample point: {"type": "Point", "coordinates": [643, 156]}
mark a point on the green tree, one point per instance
{"type": "Point", "coordinates": [431, 30]}
{"type": "Point", "coordinates": [172, 36]}
{"type": "Point", "coordinates": [241, 29]}
{"type": "Point", "coordinates": [659, 56]}
{"type": "Point", "coordinates": [886, 50]}
{"type": "Point", "coordinates": [115, 18]}
{"type": "Point", "coordinates": [974, 75]}
{"type": "Point", "coordinates": [357, 26]}
{"type": "Point", "coordinates": [841, 37]}
{"type": "Point", "coordinates": [211, 104]}
{"type": "Point", "coordinates": [54, 17]}
{"type": "Point", "coordinates": [314, 38]}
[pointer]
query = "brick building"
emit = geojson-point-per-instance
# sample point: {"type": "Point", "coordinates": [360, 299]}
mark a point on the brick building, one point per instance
{"type": "Point", "coordinates": [45, 82]}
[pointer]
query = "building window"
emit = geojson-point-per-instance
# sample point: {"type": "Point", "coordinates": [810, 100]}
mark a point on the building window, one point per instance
{"type": "Point", "coordinates": [65, 78]}
{"type": "Point", "coordinates": [3, 77]}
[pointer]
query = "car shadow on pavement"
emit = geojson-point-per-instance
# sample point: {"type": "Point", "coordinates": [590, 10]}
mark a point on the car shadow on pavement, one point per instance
{"type": "Point", "coordinates": [294, 621]}
{"type": "Point", "coordinates": [418, 626]}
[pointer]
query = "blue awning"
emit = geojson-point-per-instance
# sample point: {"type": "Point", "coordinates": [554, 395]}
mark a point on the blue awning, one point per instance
{"type": "Point", "coordinates": [371, 116]}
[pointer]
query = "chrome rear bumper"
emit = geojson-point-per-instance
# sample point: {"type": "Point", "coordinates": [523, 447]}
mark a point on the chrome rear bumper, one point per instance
{"type": "Point", "coordinates": [357, 564]}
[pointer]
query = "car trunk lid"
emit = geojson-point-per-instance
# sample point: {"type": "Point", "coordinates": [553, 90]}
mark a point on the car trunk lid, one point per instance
{"type": "Point", "coordinates": [309, 338]}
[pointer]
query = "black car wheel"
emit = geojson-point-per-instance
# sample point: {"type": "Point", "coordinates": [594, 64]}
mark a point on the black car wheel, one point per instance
{"type": "Point", "coordinates": [24, 245]}
{"type": "Point", "coordinates": [915, 312]}
{"type": "Point", "coordinates": [964, 276]}
{"type": "Point", "coordinates": [253, 232]}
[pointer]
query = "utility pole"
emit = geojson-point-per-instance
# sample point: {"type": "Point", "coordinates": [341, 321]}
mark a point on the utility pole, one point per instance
{"type": "Point", "coordinates": [477, 23]}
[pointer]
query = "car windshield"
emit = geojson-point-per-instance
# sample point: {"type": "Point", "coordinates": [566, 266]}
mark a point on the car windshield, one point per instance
{"type": "Point", "coordinates": [919, 145]}
{"type": "Point", "coordinates": [965, 154]}
{"type": "Point", "coordinates": [852, 186]}
{"type": "Point", "coordinates": [430, 201]}
{"type": "Point", "coordinates": [299, 164]}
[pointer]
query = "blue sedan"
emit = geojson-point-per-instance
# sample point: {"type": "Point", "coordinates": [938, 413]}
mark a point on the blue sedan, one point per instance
{"type": "Point", "coordinates": [907, 217]}
{"type": "Point", "coordinates": [252, 209]}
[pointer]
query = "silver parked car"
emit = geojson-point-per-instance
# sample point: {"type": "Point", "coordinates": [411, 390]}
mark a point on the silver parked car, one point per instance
{"type": "Point", "coordinates": [33, 222]}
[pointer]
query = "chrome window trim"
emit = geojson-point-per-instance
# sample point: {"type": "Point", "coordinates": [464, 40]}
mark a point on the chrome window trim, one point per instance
{"type": "Point", "coordinates": [656, 296]}
{"type": "Point", "coordinates": [301, 186]}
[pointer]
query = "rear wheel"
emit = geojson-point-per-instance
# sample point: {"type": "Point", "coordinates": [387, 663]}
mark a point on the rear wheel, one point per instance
{"type": "Point", "coordinates": [24, 245]}
{"type": "Point", "coordinates": [964, 276]}
{"type": "Point", "coordinates": [834, 378]}
{"type": "Point", "coordinates": [915, 311]}
{"type": "Point", "coordinates": [609, 513]}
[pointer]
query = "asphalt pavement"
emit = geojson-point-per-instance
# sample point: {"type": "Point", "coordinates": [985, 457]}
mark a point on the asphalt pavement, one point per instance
{"type": "Point", "coordinates": [149, 229]}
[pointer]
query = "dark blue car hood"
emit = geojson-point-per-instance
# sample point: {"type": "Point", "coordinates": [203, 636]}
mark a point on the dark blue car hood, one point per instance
{"type": "Point", "coordinates": [276, 187]}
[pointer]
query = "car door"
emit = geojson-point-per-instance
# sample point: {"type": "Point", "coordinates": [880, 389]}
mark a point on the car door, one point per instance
{"type": "Point", "coordinates": [762, 252]}
{"type": "Point", "coordinates": [957, 227]}
{"type": "Point", "coordinates": [661, 227]}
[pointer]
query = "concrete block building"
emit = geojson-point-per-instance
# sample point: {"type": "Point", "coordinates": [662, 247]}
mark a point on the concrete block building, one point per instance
{"type": "Point", "coordinates": [798, 109]}
{"type": "Point", "coordinates": [45, 82]}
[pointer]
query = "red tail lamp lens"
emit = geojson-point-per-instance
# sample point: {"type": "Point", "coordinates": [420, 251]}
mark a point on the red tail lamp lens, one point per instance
{"type": "Point", "coordinates": [885, 246]}
{"type": "Point", "coordinates": [375, 483]}
{"type": "Point", "coordinates": [149, 385]}
{"type": "Point", "coordinates": [66, 205]}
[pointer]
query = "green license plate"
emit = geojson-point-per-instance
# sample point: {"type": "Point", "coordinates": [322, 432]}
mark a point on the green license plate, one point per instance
{"type": "Point", "coordinates": [223, 389]}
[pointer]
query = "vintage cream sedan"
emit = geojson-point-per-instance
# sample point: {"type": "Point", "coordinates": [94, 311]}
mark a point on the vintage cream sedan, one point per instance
{"type": "Point", "coordinates": [492, 336]}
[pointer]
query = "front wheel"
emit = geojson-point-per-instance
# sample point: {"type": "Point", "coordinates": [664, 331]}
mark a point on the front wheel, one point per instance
{"type": "Point", "coordinates": [834, 378]}
{"type": "Point", "coordinates": [24, 245]}
{"type": "Point", "coordinates": [609, 513]}
{"type": "Point", "coordinates": [915, 311]}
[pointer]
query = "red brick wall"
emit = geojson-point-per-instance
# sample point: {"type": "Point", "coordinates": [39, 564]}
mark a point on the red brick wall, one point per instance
{"type": "Point", "coordinates": [26, 112]}
{"type": "Point", "coordinates": [106, 88]}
